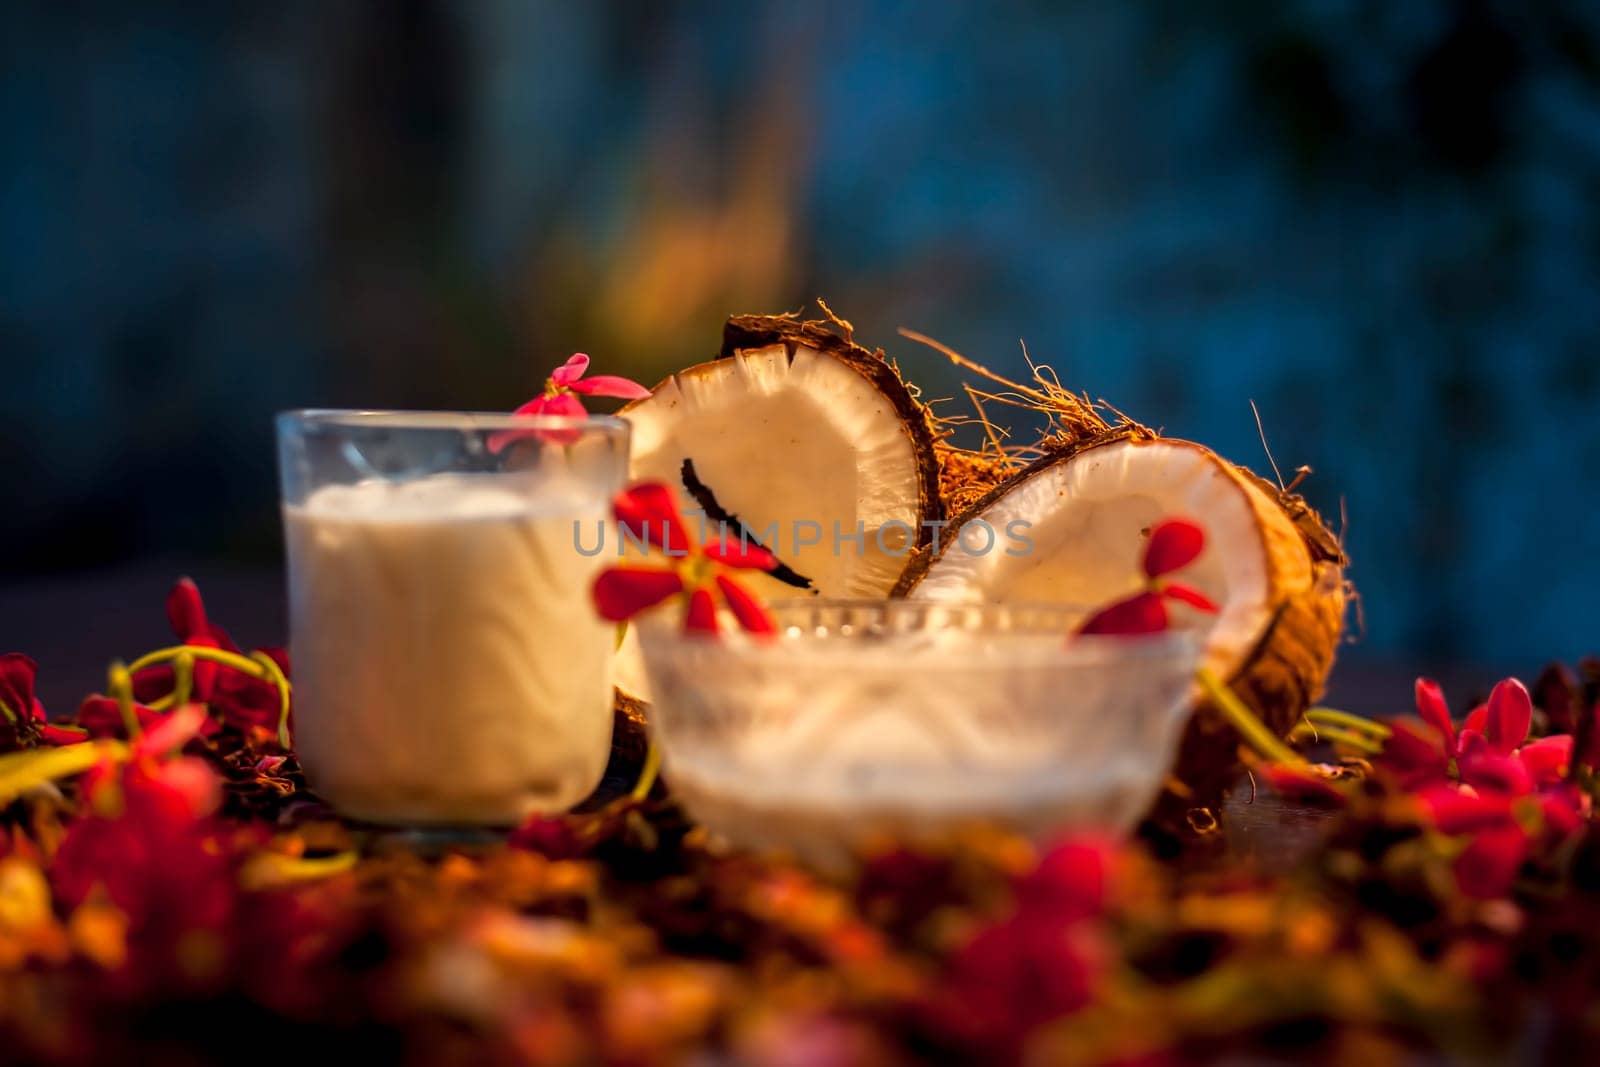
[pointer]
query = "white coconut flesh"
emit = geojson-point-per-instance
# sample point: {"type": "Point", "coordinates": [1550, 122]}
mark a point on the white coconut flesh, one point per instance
{"type": "Point", "coordinates": [1088, 519]}
{"type": "Point", "coordinates": [780, 439]}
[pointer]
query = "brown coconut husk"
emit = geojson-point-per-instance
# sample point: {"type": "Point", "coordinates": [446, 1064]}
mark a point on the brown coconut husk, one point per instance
{"type": "Point", "coordinates": [1287, 670]}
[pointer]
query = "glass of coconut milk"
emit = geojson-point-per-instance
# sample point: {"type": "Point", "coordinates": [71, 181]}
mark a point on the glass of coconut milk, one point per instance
{"type": "Point", "coordinates": [449, 669]}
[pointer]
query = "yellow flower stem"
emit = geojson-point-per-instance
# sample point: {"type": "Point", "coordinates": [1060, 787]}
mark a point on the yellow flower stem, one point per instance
{"type": "Point", "coordinates": [647, 773]}
{"type": "Point", "coordinates": [119, 685]}
{"type": "Point", "coordinates": [22, 771]}
{"type": "Point", "coordinates": [275, 675]}
{"type": "Point", "coordinates": [1345, 720]}
{"type": "Point", "coordinates": [1242, 719]}
{"type": "Point", "coordinates": [1361, 742]}
{"type": "Point", "coordinates": [257, 665]}
{"type": "Point", "coordinates": [182, 678]}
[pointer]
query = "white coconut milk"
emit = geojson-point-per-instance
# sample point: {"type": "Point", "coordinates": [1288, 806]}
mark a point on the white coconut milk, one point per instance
{"type": "Point", "coordinates": [449, 668]}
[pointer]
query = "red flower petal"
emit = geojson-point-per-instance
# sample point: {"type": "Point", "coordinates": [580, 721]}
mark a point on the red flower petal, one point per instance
{"type": "Point", "coordinates": [622, 592]}
{"type": "Point", "coordinates": [701, 616]}
{"type": "Point", "coordinates": [17, 674]}
{"type": "Point", "coordinates": [190, 780]}
{"type": "Point", "coordinates": [186, 612]}
{"type": "Point", "coordinates": [172, 732]}
{"type": "Point", "coordinates": [1477, 719]}
{"type": "Point", "coordinates": [1174, 544]}
{"type": "Point", "coordinates": [570, 371]}
{"type": "Point", "coordinates": [1562, 805]}
{"type": "Point", "coordinates": [610, 385]}
{"type": "Point", "coordinates": [1490, 772]}
{"type": "Point", "coordinates": [1453, 810]}
{"type": "Point", "coordinates": [1188, 594]}
{"type": "Point", "coordinates": [567, 406]}
{"type": "Point", "coordinates": [1547, 759]}
{"type": "Point", "coordinates": [1301, 786]}
{"type": "Point", "coordinates": [562, 404]}
{"type": "Point", "coordinates": [1510, 714]}
{"type": "Point", "coordinates": [1470, 740]}
{"type": "Point", "coordinates": [1489, 865]}
{"type": "Point", "coordinates": [1142, 613]}
{"type": "Point", "coordinates": [649, 512]}
{"type": "Point", "coordinates": [740, 553]}
{"type": "Point", "coordinates": [1071, 881]}
{"type": "Point", "coordinates": [550, 836]}
{"type": "Point", "coordinates": [1416, 755]}
{"type": "Point", "coordinates": [1435, 712]}
{"type": "Point", "coordinates": [746, 606]}
{"type": "Point", "coordinates": [62, 735]}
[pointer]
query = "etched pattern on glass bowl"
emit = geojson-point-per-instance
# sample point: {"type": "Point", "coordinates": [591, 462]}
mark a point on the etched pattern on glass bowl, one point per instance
{"type": "Point", "coordinates": [908, 718]}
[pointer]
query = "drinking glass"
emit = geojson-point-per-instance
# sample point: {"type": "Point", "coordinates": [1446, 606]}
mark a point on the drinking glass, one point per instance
{"type": "Point", "coordinates": [449, 668]}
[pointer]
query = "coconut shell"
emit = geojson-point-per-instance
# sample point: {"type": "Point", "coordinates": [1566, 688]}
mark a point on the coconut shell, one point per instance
{"type": "Point", "coordinates": [835, 337]}
{"type": "Point", "coordinates": [1288, 667]}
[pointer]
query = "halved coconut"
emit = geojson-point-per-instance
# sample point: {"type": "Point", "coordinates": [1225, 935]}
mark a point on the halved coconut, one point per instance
{"type": "Point", "coordinates": [807, 441]}
{"type": "Point", "coordinates": [1071, 527]}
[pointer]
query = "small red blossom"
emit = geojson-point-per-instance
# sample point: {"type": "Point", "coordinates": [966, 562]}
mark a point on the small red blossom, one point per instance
{"type": "Point", "coordinates": [1173, 545]}
{"type": "Point", "coordinates": [698, 576]}
{"type": "Point", "coordinates": [560, 397]}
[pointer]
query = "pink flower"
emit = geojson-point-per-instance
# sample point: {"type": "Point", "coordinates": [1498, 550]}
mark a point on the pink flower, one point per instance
{"type": "Point", "coordinates": [1173, 545]}
{"type": "Point", "coordinates": [560, 397]}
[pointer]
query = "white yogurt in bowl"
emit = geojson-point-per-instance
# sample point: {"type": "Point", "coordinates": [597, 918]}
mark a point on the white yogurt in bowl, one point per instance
{"type": "Point", "coordinates": [905, 717]}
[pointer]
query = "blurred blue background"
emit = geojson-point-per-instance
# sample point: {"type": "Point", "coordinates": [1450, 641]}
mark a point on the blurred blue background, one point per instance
{"type": "Point", "coordinates": [1379, 220]}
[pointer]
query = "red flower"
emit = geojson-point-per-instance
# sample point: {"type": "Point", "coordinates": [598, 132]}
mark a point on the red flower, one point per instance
{"type": "Point", "coordinates": [697, 576]}
{"type": "Point", "coordinates": [22, 717]}
{"type": "Point", "coordinates": [1488, 751]}
{"type": "Point", "coordinates": [1485, 783]}
{"type": "Point", "coordinates": [1173, 545]}
{"type": "Point", "coordinates": [560, 398]}
{"type": "Point", "coordinates": [145, 842]}
{"type": "Point", "coordinates": [1038, 964]}
{"type": "Point", "coordinates": [247, 703]}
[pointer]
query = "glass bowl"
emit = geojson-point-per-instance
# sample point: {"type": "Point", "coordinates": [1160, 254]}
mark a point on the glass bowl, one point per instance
{"type": "Point", "coordinates": [907, 718]}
